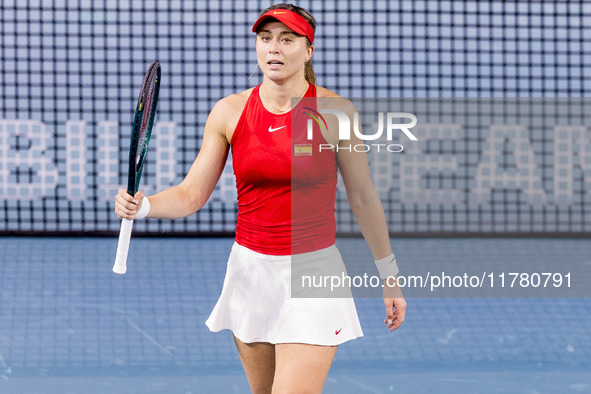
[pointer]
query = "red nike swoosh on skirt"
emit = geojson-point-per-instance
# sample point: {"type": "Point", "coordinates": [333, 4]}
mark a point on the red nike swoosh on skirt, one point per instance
{"type": "Point", "coordinates": [337, 332]}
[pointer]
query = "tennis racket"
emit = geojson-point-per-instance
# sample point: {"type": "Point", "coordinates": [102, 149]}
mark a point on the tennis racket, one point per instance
{"type": "Point", "coordinates": [140, 137]}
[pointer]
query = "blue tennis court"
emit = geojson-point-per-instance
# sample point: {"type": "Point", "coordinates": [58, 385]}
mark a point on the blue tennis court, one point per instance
{"type": "Point", "coordinates": [69, 325]}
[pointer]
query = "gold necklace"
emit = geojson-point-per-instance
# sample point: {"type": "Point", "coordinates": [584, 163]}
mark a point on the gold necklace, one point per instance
{"type": "Point", "coordinates": [281, 110]}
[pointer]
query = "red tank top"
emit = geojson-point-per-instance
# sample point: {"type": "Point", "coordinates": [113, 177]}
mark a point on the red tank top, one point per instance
{"type": "Point", "coordinates": [286, 184]}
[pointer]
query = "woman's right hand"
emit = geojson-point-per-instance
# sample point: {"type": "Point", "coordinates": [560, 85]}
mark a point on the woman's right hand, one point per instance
{"type": "Point", "coordinates": [126, 206]}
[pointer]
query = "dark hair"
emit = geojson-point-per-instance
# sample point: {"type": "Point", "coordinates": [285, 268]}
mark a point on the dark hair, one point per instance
{"type": "Point", "coordinates": [308, 69]}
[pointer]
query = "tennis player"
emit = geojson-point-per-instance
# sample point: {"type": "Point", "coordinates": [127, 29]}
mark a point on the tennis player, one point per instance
{"type": "Point", "coordinates": [285, 344]}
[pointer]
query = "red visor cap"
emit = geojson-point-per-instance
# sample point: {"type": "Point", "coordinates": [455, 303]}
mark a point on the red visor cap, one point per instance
{"type": "Point", "coordinates": [290, 19]}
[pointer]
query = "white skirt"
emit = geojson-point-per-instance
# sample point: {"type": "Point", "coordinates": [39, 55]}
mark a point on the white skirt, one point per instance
{"type": "Point", "coordinates": [256, 303]}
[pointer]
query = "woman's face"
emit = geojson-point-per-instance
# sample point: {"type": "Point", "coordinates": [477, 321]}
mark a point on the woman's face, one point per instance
{"type": "Point", "coordinates": [281, 53]}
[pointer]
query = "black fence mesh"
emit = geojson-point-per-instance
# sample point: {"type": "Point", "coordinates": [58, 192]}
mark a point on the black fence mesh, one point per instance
{"type": "Point", "coordinates": [70, 71]}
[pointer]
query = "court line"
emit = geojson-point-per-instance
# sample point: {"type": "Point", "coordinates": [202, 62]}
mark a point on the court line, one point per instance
{"type": "Point", "coordinates": [448, 336]}
{"type": "Point", "coordinates": [6, 370]}
{"type": "Point", "coordinates": [149, 337]}
{"type": "Point", "coordinates": [132, 324]}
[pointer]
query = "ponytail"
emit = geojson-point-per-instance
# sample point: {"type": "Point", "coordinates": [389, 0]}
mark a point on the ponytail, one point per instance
{"type": "Point", "coordinates": [309, 72]}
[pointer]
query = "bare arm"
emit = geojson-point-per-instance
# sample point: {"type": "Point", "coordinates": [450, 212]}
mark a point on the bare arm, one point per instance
{"type": "Point", "coordinates": [363, 197]}
{"type": "Point", "coordinates": [361, 193]}
{"type": "Point", "coordinates": [367, 208]}
{"type": "Point", "coordinates": [193, 192]}
{"type": "Point", "coordinates": [364, 200]}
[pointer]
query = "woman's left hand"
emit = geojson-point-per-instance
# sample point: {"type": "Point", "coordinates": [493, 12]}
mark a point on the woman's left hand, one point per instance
{"type": "Point", "coordinates": [395, 306]}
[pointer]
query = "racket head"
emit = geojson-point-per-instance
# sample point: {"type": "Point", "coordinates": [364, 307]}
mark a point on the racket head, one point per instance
{"type": "Point", "coordinates": [142, 125]}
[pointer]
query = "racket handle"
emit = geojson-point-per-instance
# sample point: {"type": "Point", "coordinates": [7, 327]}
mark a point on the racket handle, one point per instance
{"type": "Point", "coordinates": [120, 266]}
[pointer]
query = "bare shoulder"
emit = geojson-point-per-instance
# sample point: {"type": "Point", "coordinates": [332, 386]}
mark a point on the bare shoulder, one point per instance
{"type": "Point", "coordinates": [232, 103]}
{"type": "Point", "coordinates": [226, 112]}
{"type": "Point", "coordinates": [337, 101]}
{"type": "Point", "coordinates": [327, 103]}
{"type": "Point", "coordinates": [324, 92]}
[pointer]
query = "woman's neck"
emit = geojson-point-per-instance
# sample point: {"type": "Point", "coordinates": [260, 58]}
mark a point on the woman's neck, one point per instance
{"type": "Point", "coordinates": [277, 96]}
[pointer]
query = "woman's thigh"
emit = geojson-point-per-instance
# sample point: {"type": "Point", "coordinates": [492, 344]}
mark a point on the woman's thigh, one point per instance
{"type": "Point", "coordinates": [258, 360]}
{"type": "Point", "coordinates": [301, 368]}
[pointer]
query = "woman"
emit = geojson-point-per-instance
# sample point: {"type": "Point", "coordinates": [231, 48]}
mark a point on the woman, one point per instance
{"type": "Point", "coordinates": [283, 342]}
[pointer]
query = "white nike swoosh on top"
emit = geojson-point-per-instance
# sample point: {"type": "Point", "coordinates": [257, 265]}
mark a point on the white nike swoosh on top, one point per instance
{"type": "Point", "coordinates": [271, 129]}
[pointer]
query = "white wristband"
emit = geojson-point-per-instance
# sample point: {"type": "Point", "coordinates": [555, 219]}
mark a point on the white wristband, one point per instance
{"type": "Point", "coordinates": [144, 209]}
{"type": "Point", "coordinates": [387, 266]}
